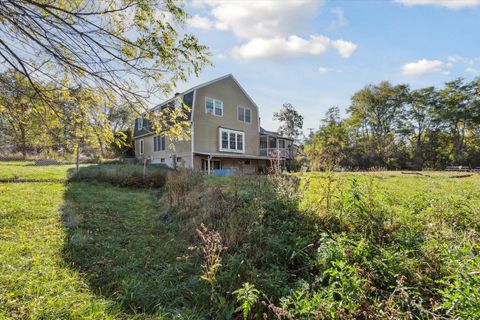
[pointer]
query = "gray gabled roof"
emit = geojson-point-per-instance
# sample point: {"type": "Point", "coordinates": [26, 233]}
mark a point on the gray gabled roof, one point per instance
{"type": "Point", "coordinates": [209, 83]}
{"type": "Point", "coordinates": [273, 133]}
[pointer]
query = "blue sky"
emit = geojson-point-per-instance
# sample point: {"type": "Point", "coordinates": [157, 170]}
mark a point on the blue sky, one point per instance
{"type": "Point", "coordinates": [317, 54]}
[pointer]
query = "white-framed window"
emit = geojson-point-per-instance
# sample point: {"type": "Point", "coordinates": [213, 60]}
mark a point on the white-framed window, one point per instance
{"type": "Point", "coordinates": [140, 123]}
{"type": "Point", "coordinates": [214, 106]}
{"type": "Point", "coordinates": [281, 143]}
{"type": "Point", "coordinates": [162, 160]}
{"type": "Point", "coordinates": [179, 159]}
{"type": "Point", "coordinates": [244, 114]}
{"type": "Point", "coordinates": [141, 145]}
{"type": "Point", "coordinates": [232, 140]}
{"type": "Point", "coordinates": [158, 143]}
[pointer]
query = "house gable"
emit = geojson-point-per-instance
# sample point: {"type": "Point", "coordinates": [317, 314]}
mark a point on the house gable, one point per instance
{"type": "Point", "coordinates": [226, 92]}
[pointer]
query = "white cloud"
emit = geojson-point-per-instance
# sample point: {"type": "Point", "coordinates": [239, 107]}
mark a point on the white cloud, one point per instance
{"type": "Point", "coordinates": [421, 67]}
{"type": "Point", "coordinates": [262, 19]}
{"type": "Point", "coordinates": [280, 48]}
{"type": "Point", "coordinates": [459, 59]}
{"type": "Point", "coordinates": [450, 4]}
{"type": "Point", "coordinates": [200, 22]}
{"type": "Point", "coordinates": [454, 58]}
{"type": "Point", "coordinates": [324, 70]}
{"type": "Point", "coordinates": [345, 48]}
{"type": "Point", "coordinates": [472, 70]}
{"type": "Point", "coordinates": [340, 20]}
{"type": "Point", "coordinates": [271, 29]}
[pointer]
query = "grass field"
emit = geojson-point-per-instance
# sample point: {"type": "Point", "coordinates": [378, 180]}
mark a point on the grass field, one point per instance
{"type": "Point", "coordinates": [28, 170]}
{"type": "Point", "coordinates": [376, 245]}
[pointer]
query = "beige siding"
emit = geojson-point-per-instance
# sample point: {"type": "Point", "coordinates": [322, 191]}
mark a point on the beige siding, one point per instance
{"type": "Point", "coordinates": [206, 126]}
{"type": "Point", "coordinates": [173, 150]}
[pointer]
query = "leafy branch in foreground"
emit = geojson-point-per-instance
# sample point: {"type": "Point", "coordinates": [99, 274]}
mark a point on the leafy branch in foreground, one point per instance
{"type": "Point", "coordinates": [110, 44]}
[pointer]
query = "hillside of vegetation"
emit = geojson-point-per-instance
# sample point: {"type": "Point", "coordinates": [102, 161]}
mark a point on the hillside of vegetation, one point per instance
{"type": "Point", "coordinates": [317, 245]}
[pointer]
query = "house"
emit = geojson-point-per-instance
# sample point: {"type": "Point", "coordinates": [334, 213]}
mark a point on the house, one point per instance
{"type": "Point", "coordinates": [225, 133]}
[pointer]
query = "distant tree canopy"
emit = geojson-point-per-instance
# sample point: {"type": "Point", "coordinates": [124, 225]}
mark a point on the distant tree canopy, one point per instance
{"type": "Point", "coordinates": [291, 121]}
{"type": "Point", "coordinates": [397, 128]}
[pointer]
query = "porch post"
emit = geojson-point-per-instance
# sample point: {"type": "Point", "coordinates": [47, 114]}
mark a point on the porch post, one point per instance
{"type": "Point", "coordinates": [208, 164]}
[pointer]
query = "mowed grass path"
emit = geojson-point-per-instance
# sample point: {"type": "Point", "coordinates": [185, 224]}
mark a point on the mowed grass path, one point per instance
{"type": "Point", "coordinates": [35, 282]}
{"type": "Point", "coordinates": [81, 250]}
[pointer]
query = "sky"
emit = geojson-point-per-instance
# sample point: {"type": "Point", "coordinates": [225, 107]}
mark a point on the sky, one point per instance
{"type": "Point", "coordinates": [316, 54]}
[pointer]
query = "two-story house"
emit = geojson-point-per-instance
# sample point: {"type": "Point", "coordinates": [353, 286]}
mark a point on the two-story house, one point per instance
{"type": "Point", "coordinates": [225, 132]}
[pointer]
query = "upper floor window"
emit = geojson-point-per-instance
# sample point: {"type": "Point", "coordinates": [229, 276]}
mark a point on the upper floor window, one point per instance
{"type": "Point", "coordinates": [140, 123]}
{"type": "Point", "coordinates": [232, 141]}
{"type": "Point", "coordinates": [244, 114]}
{"type": "Point", "coordinates": [158, 143]}
{"type": "Point", "coordinates": [214, 106]}
{"type": "Point", "coordinates": [281, 143]}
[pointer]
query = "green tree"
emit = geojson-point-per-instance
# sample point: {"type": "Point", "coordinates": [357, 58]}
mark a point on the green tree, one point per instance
{"type": "Point", "coordinates": [328, 146]}
{"type": "Point", "coordinates": [456, 112]}
{"type": "Point", "coordinates": [128, 50]}
{"type": "Point", "coordinates": [291, 121]}
{"type": "Point", "coordinates": [24, 119]}
{"type": "Point", "coordinates": [419, 121]}
{"type": "Point", "coordinates": [376, 110]}
{"type": "Point", "coordinates": [108, 44]}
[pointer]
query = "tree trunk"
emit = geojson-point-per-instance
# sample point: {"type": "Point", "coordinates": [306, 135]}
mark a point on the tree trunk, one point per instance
{"type": "Point", "coordinates": [77, 155]}
{"type": "Point", "coordinates": [23, 142]}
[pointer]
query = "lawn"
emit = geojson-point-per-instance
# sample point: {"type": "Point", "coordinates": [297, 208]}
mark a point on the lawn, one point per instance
{"type": "Point", "coordinates": [316, 245]}
{"type": "Point", "coordinates": [28, 170]}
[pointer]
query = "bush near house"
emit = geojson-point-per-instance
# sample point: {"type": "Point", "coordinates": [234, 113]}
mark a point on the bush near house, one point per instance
{"type": "Point", "coordinates": [124, 175]}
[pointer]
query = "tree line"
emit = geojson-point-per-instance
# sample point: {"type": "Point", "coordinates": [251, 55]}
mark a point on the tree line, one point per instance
{"type": "Point", "coordinates": [395, 127]}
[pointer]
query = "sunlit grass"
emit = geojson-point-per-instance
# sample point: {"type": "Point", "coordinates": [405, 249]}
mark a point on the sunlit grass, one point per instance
{"type": "Point", "coordinates": [28, 170]}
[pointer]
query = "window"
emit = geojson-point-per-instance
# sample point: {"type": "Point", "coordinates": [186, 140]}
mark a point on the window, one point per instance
{"type": "Point", "coordinates": [240, 142]}
{"type": "Point", "coordinates": [141, 146]}
{"type": "Point", "coordinates": [244, 114]}
{"type": "Point", "coordinates": [162, 160]}
{"type": "Point", "coordinates": [158, 143]}
{"type": "Point", "coordinates": [224, 140]}
{"type": "Point", "coordinates": [140, 123]}
{"type": "Point", "coordinates": [179, 159]}
{"type": "Point", "coordinates": [232, 141]}
{"type": "Point", "coordinates": [214, 107]}
{"type": "Point", "coordinates": [281, 144]}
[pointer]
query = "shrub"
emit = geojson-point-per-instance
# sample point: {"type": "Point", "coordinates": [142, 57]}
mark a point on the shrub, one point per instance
{"type": "Point", "coordinates": [123, 175]}
{"type": "Point", "coordinates": [247, 296]}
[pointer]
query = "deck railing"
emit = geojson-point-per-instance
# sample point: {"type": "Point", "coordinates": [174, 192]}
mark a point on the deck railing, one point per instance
{"type": "Point", "coordinates": [274, 152]}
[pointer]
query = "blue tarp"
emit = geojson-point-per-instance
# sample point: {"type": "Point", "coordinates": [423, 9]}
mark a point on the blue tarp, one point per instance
{"type": "Point", "coordinates": [224, 172]}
